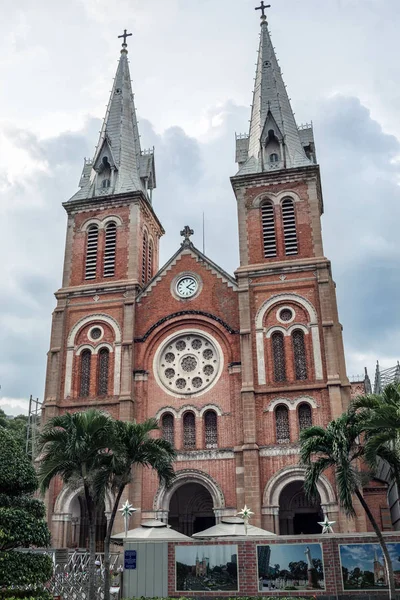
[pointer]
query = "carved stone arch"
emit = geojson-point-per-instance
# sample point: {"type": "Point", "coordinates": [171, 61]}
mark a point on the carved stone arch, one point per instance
{"type": "Point", "coordinates": [166, 410]}
{"type": "Point", "coordinates": [103, 345]}
{"type": "Point", "coordinates": [67, 495]}
{"type": "Point", "coordinates": [95, 317]}
{"type": "Point", "coordinates": [111, 219]}
{"type": "Point", "coordinates": [288, 194]}
{"type": "Point", "coordinates": [213, 407]}
{"type": "Point", "coordinates": [84, 347]}
{"type": "Point", "coordinates": [188, 408]}
{"type": "Point", "coordinates": [163, 496]}
{"type": "Point", "coordinates": [282, 478]}
{"type": "Point", "coordinates": [295, 326]}
{"type": "Point", "coordinates": [272, 330]}
{"type": "Point", "coordinates": [264, 197]}
{"type": "Point", "coordinates": [313, 325]}
{"type": "Point", "coordinates": [291, 403]}
{"type": "Point", "coordinates": [86, 224]}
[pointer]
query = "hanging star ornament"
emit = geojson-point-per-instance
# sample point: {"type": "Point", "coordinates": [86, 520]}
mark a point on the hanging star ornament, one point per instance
{"type": "Point", "coordinates": [326, 525]}
{"type": "Point", "coordinates": [127, 510]}
{"type": "Point", "coordinates": [245, 513]}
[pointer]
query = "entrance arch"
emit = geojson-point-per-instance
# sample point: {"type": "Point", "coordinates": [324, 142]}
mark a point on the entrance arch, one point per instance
{"type": "Point", "coordinates": [297, 514]}
{"type": "Point", "coordinates": [194, 502]}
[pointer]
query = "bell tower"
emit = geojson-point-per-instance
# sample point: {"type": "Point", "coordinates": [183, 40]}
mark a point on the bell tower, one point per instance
{"type": "Point", "coordinates": [291, 340]}
{"type": "Point", "coordinates": [111, 252]}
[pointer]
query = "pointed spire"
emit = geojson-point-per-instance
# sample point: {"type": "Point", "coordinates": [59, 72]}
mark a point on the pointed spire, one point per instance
{"type": "Point", "coordinates": [378, 380]}
{"type": "Point", "coordinates": [274, 140]}
{"type": "Point", "coordinates": [367, 382]}
{"type": "Point", "coordinates": [119, 166]}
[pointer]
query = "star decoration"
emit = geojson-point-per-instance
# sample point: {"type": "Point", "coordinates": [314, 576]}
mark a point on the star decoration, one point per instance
{"type": "Point", "coordinates": [245, 513]}
{"type": "Point", "coordinates": [326, 525]}
{"type": "Point", "coordinates": [127, 509]}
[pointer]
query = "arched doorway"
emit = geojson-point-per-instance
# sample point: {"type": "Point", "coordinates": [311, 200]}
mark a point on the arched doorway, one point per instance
{"type": "Point", "coordinates": [191, 509]}
{"type": "Point", "coordinates": [79, 534]}
{"type": "Point", "coordinates": [297, 514]}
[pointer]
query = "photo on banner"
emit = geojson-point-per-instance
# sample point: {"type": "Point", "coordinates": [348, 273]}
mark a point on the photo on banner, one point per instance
{"type": "Point", "coordinates": [363, 567]}
{"type": "Point", "coordinates": [211, 568]}
{"type": "Point", "coordinates": [290, 567]}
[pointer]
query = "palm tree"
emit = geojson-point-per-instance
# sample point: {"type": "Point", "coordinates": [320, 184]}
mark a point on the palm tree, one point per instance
{"type": "Point", "coordinates": [73, 447]}
{"type": "Point", "coordinates": [380, 420]}
{"type": "Point", "coordinates": [132, 445]}
{"type": "Point", "coordinates": [338, 447]}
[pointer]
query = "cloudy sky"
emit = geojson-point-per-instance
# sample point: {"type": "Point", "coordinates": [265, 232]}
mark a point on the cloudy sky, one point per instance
{"type": "Point", "coordinates": [192, 65]}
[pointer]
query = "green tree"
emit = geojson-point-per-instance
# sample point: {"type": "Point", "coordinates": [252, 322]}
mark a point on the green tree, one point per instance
{"type": "Point", "coordinates": [17, 426]}
{"type": "Point", "coordinates": [73, 447]}
{"type": "Point", "coordinates": [22, 525]}
{"type": "Point", "coordinates": [132, 445]}
{"type": "Point", "coordinates": [338, 447]}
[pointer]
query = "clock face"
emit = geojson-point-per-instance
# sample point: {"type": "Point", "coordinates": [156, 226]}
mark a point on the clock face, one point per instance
{"type": "Point", "coordinates": [187, 286]}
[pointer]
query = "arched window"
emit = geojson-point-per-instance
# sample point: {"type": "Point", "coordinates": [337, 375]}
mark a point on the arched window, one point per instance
{"type": "Point", "coordinates": [167, 428]}
{"type": "Point", "coordinates": [91, 252]}
{"type": "Point", "coordinates": [299, 353]}
{"type": "Point", "coordinates": [109, 250]}
{"type": "Point", "coordinates": [102, 372]}
{"type": "Point", "coordinates": [144, 257]}
{"type": "Point", "coordinates": [268, 227]}
{"type": "Point", "coordinates": [150, 261]}
{"type": "Point", "coordinates": [282, 425]}
{"type": "Point", "coordinates": [105, 183]}
{"type": "Point", "coordinates": [305, 416]}
{"type": "Point", "coordinates": [189, 431]}
{"type": "Point", "coordinates": [289, 227]}
{"type": "Point", "coordinates": [86, 359]}
{"type": "Point", "coordinates": [278, 351]}
{"type": "Point", "coordinates": [274, 157]}
{"type": "Point", "coordinates": [211, 429]}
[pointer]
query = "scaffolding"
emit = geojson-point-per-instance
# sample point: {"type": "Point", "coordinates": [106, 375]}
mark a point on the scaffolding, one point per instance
{"type": "Point", "coordinates": [33, 425]}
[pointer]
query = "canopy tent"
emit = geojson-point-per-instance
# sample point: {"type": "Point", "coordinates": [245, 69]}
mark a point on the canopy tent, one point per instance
{"type": "Point", "coordinates": [150, 530]}
{"type": "Point", "coordinates": [233, 527]}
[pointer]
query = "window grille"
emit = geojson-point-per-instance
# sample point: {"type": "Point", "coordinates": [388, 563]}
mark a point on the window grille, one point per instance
{"type": "Point", "coordinates": [150, 261]}
{"type": "Point", "coordinates": [268, 226]}
{"type": "Point", "coordinates": [91, 252]}
{"type": "Point", "coordinates": [102, 383]}
{"type": "Point", "coordinates": [144, 258]}
{"type": "Point", "coordinates": [289, 227]}
{"type": "Point", "coordinates": [305, 416]}
{"type": "Point", "coordinates": [211, 429]}
{"type": "Point", "coordinates": [282, 425]}
{"type": "Point", "coordinates": [167, 427]}
{"type": "Point", "coordinates": [189, 431]}
{"type": "Point", "coordinates": [299, 353]}
{"type": "Point", "coordinates": [109, 250]}
{"type": "Point", "coordinates": [278, 350]}
{"type": "Point", "coordinates": [86, 359]}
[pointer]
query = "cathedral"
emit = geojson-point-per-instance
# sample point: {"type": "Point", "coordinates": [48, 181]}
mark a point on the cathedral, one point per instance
{"type": "Point", "coordinates": [233, 366]}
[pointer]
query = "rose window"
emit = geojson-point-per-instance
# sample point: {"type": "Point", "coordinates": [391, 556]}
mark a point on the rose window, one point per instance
{"type": "Point", "coordinates": [188, 363]}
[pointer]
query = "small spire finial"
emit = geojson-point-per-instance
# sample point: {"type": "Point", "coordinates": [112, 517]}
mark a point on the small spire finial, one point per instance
{"type": "Point", "coordinates": [263, 8]}
{"type": "Point", "coordinates": [124, 44]}
{"type": "Point", "coordinates": [186, 233]}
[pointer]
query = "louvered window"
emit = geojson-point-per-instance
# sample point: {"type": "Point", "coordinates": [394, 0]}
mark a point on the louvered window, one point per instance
{"type": "Point", "coordinates": [299, 353]}
{"type": "Point", "coordinates": [103, 365]}
{"type": "Point", "coordinates": [305, 416]}
{"type": "Point", "coordinates": [150, 261]}
{"type": "Point", "coordinates": [282, 425]}
{"type": "Point", "coordinates": [189, 431]}
{"type": "Point", "coordinates": [278, 351]}
{"type": "Point", "coordinates": [289, 227]}
{"type": "Point", "coordinates": [91, 252]}
{"type": "Point", "coordinates": [211, 429]}
{"type": "Point", "coordinates": [109, 250]}
{"type": "Point", "coordinates": [144, 258]}
{"type": "Point", "coordinates": [268, 226]}
{"type": "Point", "coordinates": [86, 359]}
{"type": "Point", "coordinates": [167, 428]}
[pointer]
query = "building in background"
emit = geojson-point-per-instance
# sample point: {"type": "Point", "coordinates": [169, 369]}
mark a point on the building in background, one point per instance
{"type": "Point", "coordinates": [233, 366]}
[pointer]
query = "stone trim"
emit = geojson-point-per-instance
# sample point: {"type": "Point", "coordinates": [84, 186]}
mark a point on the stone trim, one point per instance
{"type": "Point", "coordinates": [291, 403]}
{"type": "Point", "coordinates": [163, 496]}
{"type": "Point", "coordinates": [205, 455]}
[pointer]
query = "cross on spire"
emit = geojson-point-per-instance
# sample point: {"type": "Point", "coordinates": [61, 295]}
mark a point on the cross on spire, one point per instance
{"type": "Point", "coordinates": [263, 8]}
{"type": "Point", "coordinates": [124, 35]}
{"type": "Point", "coordinates": [186, 233]}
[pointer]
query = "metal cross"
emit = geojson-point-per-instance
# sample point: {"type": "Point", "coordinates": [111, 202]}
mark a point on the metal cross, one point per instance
{"type": "Point", "coordinates": [124, 35]}
{"type": "Point", "coordinates": [187, 232]}
{"type": "Point", "coordinates": [263, 7]}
